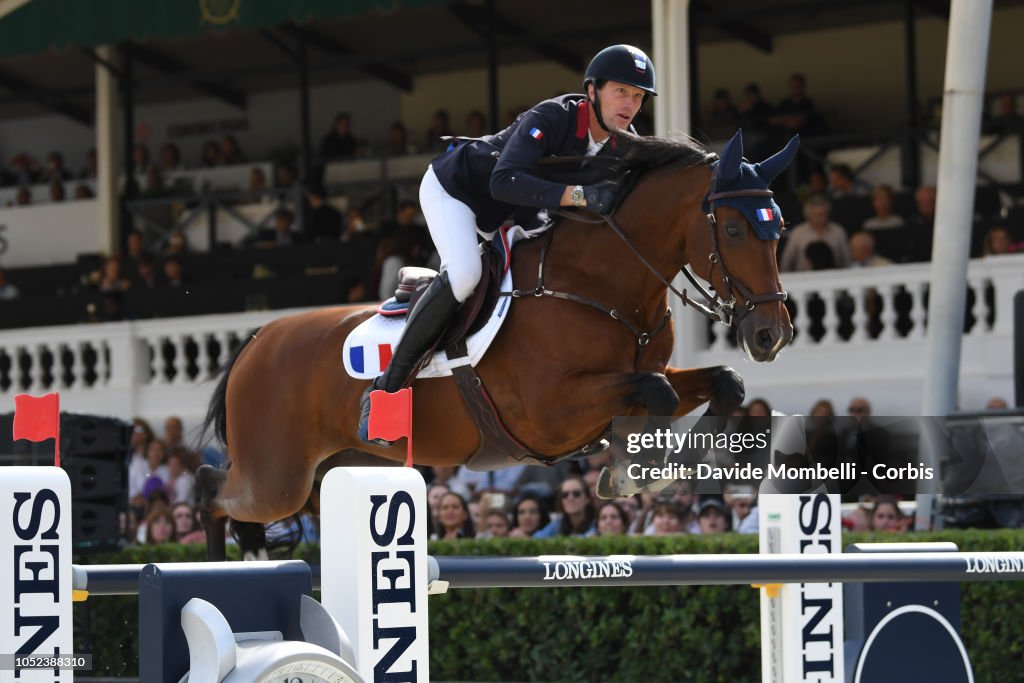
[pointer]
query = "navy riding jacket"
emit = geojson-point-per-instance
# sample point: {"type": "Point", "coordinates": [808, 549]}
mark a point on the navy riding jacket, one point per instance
{"type": "Point", "coordinates": [495, 174]}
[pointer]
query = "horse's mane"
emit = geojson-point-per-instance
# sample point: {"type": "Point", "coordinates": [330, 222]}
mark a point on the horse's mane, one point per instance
{"type": "Point", "coordinates": [634, 156]}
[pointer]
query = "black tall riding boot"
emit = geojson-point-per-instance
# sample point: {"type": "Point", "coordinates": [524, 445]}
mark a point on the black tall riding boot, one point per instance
{"type": "Point", "coordinates": [427, 322]}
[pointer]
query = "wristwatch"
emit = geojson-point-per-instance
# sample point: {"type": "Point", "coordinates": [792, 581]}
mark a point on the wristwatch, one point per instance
{"type": "Point", "coordinates": [577, 196]}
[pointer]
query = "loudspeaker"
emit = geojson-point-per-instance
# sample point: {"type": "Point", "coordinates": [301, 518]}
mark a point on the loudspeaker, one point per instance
{"type": "Point", "coordinates": [91, 435]}
{"type": "Point", "coordinates": [96, 526]}
{"type": "Point", "coordinates": [93, 478]}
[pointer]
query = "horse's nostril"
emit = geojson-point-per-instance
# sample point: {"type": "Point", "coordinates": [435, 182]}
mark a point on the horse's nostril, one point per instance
{"type": "Point", "coordinates": [764, 338]}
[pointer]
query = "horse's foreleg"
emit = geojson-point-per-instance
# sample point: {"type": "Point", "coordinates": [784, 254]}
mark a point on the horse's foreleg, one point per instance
{"type": "Point", "coordinates": [720, 387]}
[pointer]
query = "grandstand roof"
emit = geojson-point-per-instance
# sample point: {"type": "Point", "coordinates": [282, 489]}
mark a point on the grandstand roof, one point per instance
{"type": "Point", "coordinates": [229, 48]}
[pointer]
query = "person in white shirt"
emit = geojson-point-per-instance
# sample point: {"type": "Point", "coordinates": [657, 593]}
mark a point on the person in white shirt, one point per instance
{"type": "Point", "coordinates": [816, 228]}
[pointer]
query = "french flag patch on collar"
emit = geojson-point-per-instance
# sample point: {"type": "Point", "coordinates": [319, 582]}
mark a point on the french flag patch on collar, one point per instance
{"type": "Point", "coordinates": [536, 133]}
{"type": "Point", "coordinates": [764, 215]}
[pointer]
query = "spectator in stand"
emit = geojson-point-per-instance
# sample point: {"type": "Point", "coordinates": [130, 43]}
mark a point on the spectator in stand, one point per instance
{"type": "Point", "coordinates": [112, 278]}
{"type": "Point", "coordinates": [174, 272]}
{"type": "Point", "coordinates": [453, 518]}
{"type": "Point", "coordinates": [711, 517]}
{"type": "Point", "coordinates": [996, 403]}
{"type": "Point", "coordinates": [668, 519]}
{"type": "Point", "coordinates": [154, 184]}
{"type": "Point", "coordinates": [174, 432]}
{"type": "Point", "coordinates": [138, 462]}
{"type": "Point", "coordinates": [822, 408]}
{"type": "Point", "coordinates": [916, 239]}
{"type": "Point", "coordinates": [339, 142]}
{"type": "Point", "coordinates": [884, 218]}
{"type": "Point", "coordinates": [841, 182]}
{"type": "Point", "coordinates": [282, 234]}
{"type": "Point", "coordinates": [8, 291]}
{"type": "Point", "coordinates": [796, 114]}
{"type": "Point", "coordinates": [54, 172]}
{"type": "Point", "coordinates": [398, 140]}
{"type": "Point", "coordinates": [23, 197]}
{"type": "Point", "coordinates": [186, 526]}
{"type": "Point", "coordinates": [434, 494]}
{"type": "Point", "coordinates": [496, 524]}
{"type": "Point", "coordinates": [577, 514]}
{"type": "Point", "coordinates": [177, 244]}
{"type": "Point", "coordinates": [1005, 117]}
{"type": "Point", "coordinates": [91, 165]}
{"type": "Point", "coordinates": [57, 193]}
{"type": "Point", "coordinates": [403, 242]}
{"type": "Point", "coordinates": [231, 153]}
{"type": "Point", "coordinates": [324, 220]}
{"type": "Point", "coordinates": [180, 481]}
{"type": "Point", "coordinates": [160, 527]}
{"type": "Point", "coordinates": [862, 251]}
{"type": "Point", "coordinates": [284, 176]}
{"type": "Point", "coordinates": [997, 241]}
{"type": "Point", "coordinates": [440, 128]}
{"type": "Point", "coordinates": [724, 119]}
{"type": "Point", "coordinates": [611, 519]}
{"type": "Point", "coordinates": [816, 228]}
{"type": "Point", "coordinates": [170, 158]}
{"type": "Point", "coordinates": [24, 169]}
{"type": "Point", "coordinates": [741, 501]}
{"type": "Point", "coordinates": [530, 516]}
{"type": "Point", "coordinates": [156, 462]}
{"type": "Point", "coordinates": [146, 275]}
{"type": "Point", "coordinates": [134, 249]}
{"type": "Point", "coordinates": [257, 187]}
{"type": "Point", "coordinates": [140, 157]}
{"type": "Point", "coordinates": [754, 116]}
{"type": "Point", "coordinates": [759, 407]}
{"type": "Point", "coordinates": [887, 516]}
{"type": "Point", "coordinates": [210, 155]}
{"type": "Point", "coordinates": [476, 124]}
{"type": "Point", "coordinates": [83, 191]}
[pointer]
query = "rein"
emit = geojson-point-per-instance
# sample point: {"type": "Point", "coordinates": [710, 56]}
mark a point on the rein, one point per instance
{"type": "Point", "coordinates": [714, 307]}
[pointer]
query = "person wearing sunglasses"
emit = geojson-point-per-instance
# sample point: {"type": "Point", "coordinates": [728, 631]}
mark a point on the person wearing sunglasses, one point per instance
{"type": "Point", "coordinates": [577, 513]}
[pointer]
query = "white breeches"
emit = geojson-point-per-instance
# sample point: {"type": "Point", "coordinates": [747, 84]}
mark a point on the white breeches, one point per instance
{"type": "Point", "coordinates": [452, 226]}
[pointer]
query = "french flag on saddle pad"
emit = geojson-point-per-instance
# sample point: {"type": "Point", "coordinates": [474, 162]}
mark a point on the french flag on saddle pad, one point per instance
{"type": "Point", "coordinates": [536, 133]}
{"type": "Point", "coordinates": [764, 215]}
{"type": "Point", "coordinates": [371, 359]}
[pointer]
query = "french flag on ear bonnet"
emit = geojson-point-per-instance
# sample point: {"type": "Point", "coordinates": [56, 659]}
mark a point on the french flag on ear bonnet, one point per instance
{"type": "Point", "coordinates": [733, 173]}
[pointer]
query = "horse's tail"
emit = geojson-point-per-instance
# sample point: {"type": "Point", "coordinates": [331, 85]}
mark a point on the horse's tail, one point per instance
{"type": "Point", "coordinates": [217, 411]}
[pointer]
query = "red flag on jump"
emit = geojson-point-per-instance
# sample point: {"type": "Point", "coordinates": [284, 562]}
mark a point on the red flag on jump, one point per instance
{"type": "Point", "coordinates": [37, 418]}
{"type": "Point", "coordinates": [391, 417]}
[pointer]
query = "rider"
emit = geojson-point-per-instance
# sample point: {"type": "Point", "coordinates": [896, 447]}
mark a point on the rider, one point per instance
{"type": "Point", "coordinates": [478, 183]}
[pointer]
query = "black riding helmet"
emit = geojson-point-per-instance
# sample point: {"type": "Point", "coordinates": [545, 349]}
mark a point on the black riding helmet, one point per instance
{"type": "Point", "coordinates": [623, 64]}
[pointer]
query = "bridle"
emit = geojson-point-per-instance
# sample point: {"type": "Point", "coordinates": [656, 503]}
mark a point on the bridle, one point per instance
{"type": "Point", "coordinates": [714, 307]}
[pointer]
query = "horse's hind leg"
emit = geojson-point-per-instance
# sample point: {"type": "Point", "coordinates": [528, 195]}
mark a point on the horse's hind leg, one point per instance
{"type": "Point", "coordinates": [208, 483]}
{"type": "Point", "coordinates": [252, 539]}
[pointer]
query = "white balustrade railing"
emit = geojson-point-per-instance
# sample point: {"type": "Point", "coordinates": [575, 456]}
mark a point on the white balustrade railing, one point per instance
{"type": "Point", "coordinates": [858, 332]}
{"type": "Point", "coordinates": [863, 332]}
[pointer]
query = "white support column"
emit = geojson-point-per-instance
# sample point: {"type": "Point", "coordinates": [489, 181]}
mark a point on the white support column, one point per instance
{"type": "Point", "coordinates": [671, 54]}
{"type": "Point", "coordinates": [107, 204]}
{"type": "Point", "coordinates": [966, 56]}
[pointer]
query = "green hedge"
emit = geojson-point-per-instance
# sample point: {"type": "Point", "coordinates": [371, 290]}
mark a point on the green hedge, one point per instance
{"type": "Point", "coordinates": [686, 633]}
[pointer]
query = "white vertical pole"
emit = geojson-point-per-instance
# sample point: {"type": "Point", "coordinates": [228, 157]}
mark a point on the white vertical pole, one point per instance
{"type": "Point", "coordinates": [966, 56]}
{"type": "Point", "coordinates": [106, 151]}
{"type": "Point", "coordinates": [670, 22]}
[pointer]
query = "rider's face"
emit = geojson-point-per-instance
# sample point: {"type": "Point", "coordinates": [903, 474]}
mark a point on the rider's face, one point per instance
{"type": "Point", "coordinates": [620, 104]}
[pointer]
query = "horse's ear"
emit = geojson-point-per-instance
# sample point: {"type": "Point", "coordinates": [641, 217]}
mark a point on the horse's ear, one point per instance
{"type": "Point", "coordinates": [732, 155]}
{"type": "Point", "coordinates": [771, 167]}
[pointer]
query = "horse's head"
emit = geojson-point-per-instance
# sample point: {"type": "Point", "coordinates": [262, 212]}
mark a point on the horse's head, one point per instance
{"type": "Point", "coordinates": [737, 253]}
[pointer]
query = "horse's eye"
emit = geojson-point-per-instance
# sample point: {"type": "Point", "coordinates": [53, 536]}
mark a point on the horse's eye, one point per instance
{"type": "Point", "coordinates": [732, 229]}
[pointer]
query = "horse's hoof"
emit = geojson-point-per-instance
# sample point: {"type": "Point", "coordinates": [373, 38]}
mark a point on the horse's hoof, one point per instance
{"type": "Point", "coordinates": [615, 483]}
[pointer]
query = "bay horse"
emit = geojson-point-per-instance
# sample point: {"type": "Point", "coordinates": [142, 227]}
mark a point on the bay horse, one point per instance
{"type": "Point", "coordinates": [557, 372]}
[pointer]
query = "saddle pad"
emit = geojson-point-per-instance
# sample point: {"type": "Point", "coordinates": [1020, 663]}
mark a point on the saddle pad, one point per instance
{"type": "Point", "coordinates": [369, 347]}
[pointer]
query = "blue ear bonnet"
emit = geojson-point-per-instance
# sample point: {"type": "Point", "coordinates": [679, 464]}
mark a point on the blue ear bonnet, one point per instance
{"type": "Point", "coordinates": [733, 173]}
